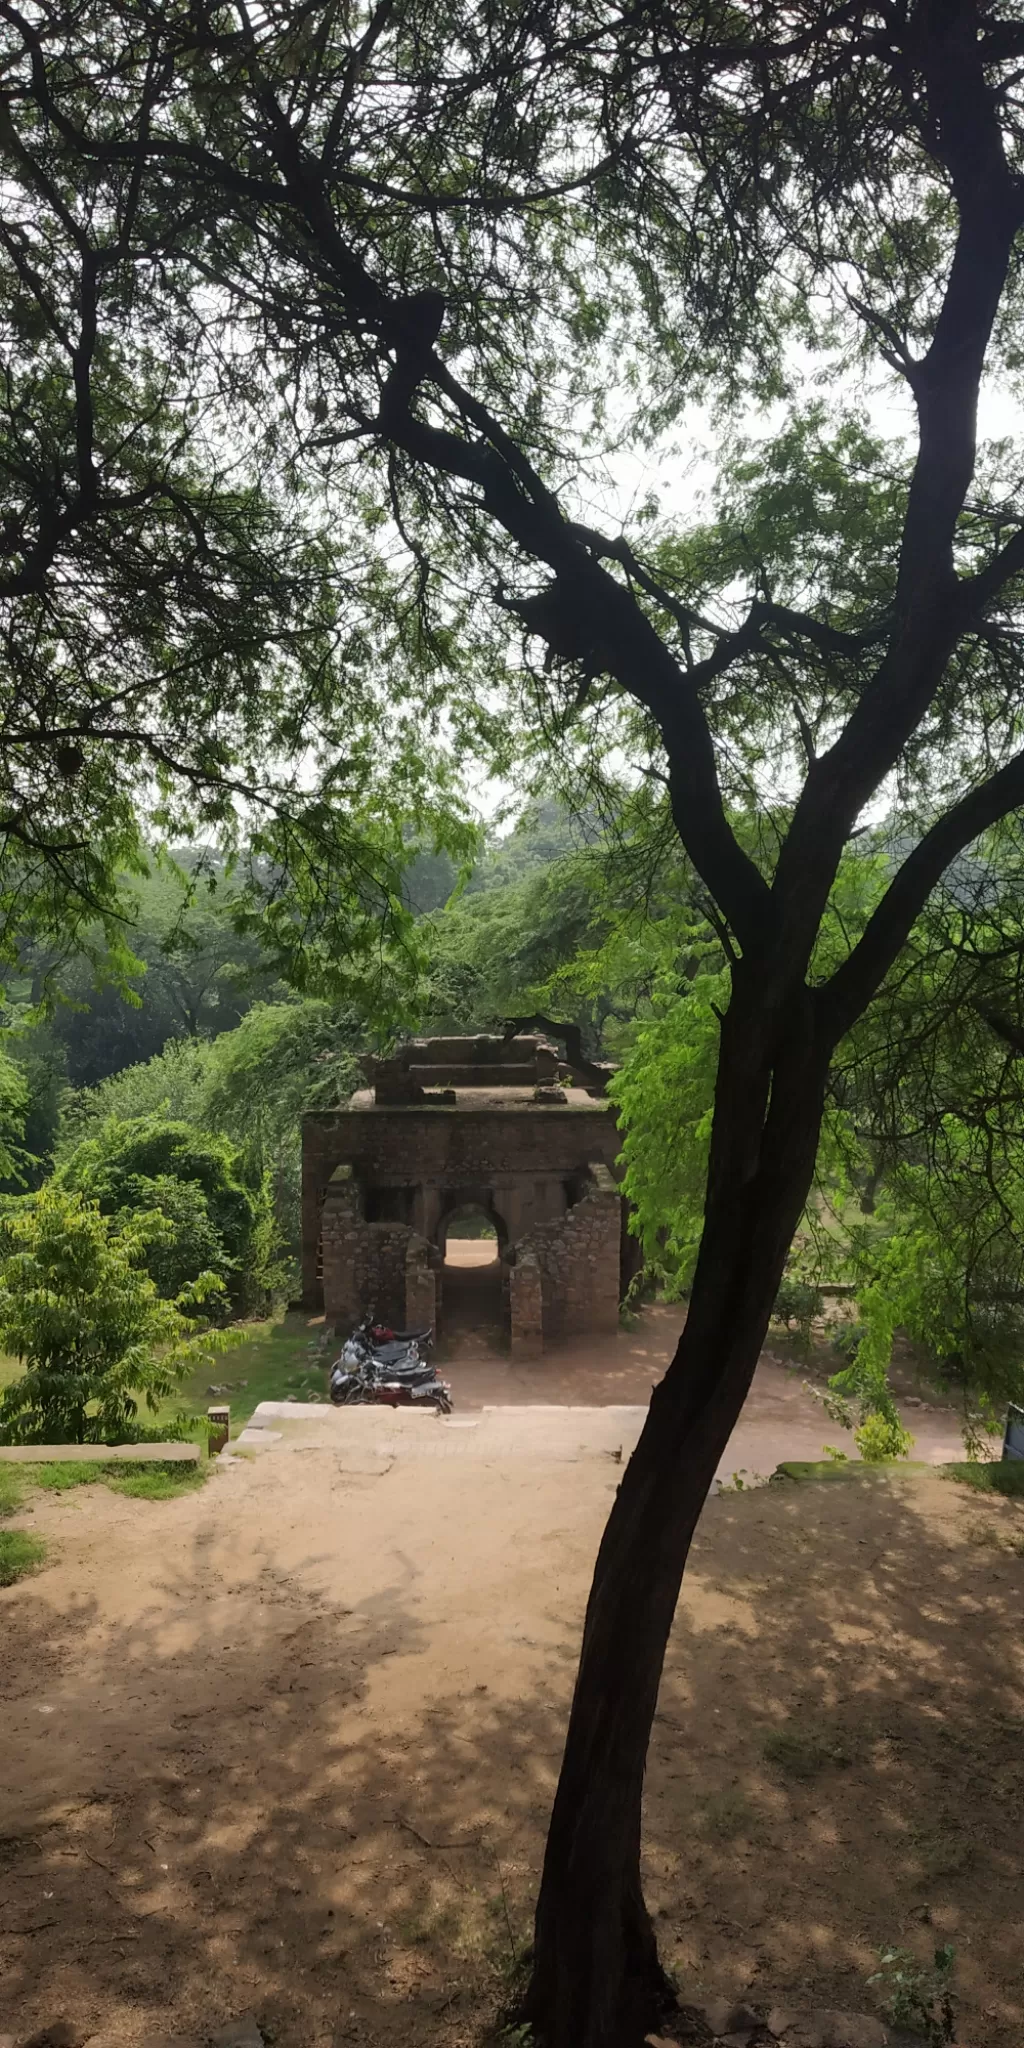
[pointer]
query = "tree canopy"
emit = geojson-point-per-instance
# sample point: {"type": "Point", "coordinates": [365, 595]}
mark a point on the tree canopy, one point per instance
{"type": "Point", "coordinates": [81, 1312]}
{"type": "Point", "coordinates": [382, 294]}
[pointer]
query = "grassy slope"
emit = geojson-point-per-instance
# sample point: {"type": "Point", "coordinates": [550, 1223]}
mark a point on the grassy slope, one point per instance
{"type": "Point", "coordinates": [275, 1358]}
{"type": "Point", "coordinates": [995, 1477]}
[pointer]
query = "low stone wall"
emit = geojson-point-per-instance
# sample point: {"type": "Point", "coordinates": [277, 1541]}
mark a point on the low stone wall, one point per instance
{"type": "Point", "coordinates": [100, 1454]}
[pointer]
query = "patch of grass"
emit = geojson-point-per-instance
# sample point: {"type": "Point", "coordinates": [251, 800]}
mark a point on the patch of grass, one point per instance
{"type": "Point", "coordinates": [154, 1482]}
{"type": "Point", "coordinates": [276, 1358]}
{"type": "Point", "coordinates": [1005, 1476]}
{"type": "Point", "coordinates": [984, 1534]}
{"type": "Point", "coordinates": [726, 1815]}
{"type": "Point", "coordinates": [803, 1751]}
{"type": "Point", "coordinates": [61, 1475]}
{"type": "Point", "coordinates": [10, 1489]}
{"type": "Point", "coordinates": [19, 1554]}
{"type": "Point", "coordinates": [804, 1470]}
{"type": "Point", "coordinates": [158, 1481]}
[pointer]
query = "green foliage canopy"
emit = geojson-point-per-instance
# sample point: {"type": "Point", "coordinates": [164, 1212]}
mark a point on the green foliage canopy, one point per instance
{"type": "Point", "coordinates": [78, 1308]}
{"type": "Point", "coordinates": [191, 1178]}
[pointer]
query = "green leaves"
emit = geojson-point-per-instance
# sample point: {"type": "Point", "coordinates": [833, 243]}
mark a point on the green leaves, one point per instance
{"type": "Point", "coordinates": [664, 1094]}
{"type": "Point", "coordinates": [186, 1188]}
{"type": "Point", "coordinates": [78, 1308]}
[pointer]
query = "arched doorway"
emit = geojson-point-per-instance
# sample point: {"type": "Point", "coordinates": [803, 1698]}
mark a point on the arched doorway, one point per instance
{"type": "Point", "coordinates": [474, 1307]}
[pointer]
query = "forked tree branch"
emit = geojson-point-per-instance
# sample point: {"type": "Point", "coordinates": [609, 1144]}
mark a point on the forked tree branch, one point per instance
{"type": "Point", "coordinates": [850, 989]}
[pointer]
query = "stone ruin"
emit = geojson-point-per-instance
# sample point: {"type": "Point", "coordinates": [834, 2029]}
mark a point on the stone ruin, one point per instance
{"type": "Point", "coordinates": [498, 1125]}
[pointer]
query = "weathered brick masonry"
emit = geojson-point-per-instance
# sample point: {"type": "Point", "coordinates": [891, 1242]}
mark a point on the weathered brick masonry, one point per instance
{"type": "Point", "coordinates": [381, 1177]}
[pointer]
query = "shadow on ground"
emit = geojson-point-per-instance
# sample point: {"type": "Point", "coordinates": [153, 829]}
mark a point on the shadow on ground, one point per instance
{"type": "Point", "coordinates": [284, 1797]}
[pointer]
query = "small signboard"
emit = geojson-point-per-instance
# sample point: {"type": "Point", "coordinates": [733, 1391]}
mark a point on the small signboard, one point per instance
{"type": "Point", "coordinates": [219, 1419]}
{"type": "Point", "coordinates": [1013, 1440]}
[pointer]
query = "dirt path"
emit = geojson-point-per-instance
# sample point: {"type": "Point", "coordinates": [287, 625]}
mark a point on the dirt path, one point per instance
{"type": "Point", "coordinates": [780, 1419]}
{"type": "Point", "coordinates": [289, 1745]}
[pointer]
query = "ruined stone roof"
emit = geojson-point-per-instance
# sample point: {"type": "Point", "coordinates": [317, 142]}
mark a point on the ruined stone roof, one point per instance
{"type": "Point", "coordinates": [482, 1071]}
{"type": "Point", "coordinates": [485, 1098]}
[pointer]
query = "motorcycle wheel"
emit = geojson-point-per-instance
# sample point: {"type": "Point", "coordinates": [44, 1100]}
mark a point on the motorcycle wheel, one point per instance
{"type": "Point", "coordinates": [442, 1403]}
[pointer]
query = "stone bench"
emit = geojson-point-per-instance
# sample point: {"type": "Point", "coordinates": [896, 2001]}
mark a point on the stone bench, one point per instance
{"type": "Point", "coordinates": [101, 1454]}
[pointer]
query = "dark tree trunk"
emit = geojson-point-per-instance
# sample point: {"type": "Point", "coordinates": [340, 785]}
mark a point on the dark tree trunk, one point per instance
{"type": "Point", "coordinates": [597, 1982]}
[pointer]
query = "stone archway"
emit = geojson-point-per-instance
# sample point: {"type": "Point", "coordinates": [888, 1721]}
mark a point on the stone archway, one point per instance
{"type": "Point", "coordinates": [472, 1240]}
{"type": "Point", "coordinates": [451, 1124]}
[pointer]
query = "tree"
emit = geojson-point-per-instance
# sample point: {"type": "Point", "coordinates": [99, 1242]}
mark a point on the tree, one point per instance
{"type": "Point", "coordinates": [249, 1086]}
{"type": "Point", "coordinates": [78, 1308]}
{"type": "Point", "coordinates": [192, 973]}
{"type": "Point", "coordinates": [193, 1180]}
{"type": "Point", "coordinates": [283, 1059]}
{"type": "Point", "coordinates": [441, 231]}
{"type": "Point", "coordinates": [183, 654]}
{"type": "Point", "coordinates": [930, 1090]}
{"type": "Point", "coordinates": [494, 950]}
{"type": "Point", "coordinates": [170, 1086]}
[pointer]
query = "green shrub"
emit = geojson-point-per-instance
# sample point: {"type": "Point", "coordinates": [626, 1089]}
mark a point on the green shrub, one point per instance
{"type": "Point", "coordinates": [191, 1179]}
{"type": "Point", "coordinates": [917, 1997]}
{"type": "Point", "coordinates": [845, 1340]}
{"type": "Point", "coordinates": [19, 1554]}
{"type": "Point", "coordinates": [78, 1308]}
{"type": "Point", "coordinates": [881, 1437]}
{"type": "Point", "coordinates": [191, 1243]}
{"type": "Point", "coordinates": [796, 1305]}
{"type": "Point", "coordinates": [1004, 1476]}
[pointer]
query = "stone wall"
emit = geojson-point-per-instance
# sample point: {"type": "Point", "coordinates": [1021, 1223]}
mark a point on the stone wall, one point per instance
{"type": "Point", "coordinates": [526, 1306]}
{"type": "Point", "coordinates": [383, 1266]}
{"type": "Point", "coordinates": [422, 1293]}
{"type": "Point", "coordinates": [526, 1164]}
{"type": "Point", "coordinates": [579, 1262]}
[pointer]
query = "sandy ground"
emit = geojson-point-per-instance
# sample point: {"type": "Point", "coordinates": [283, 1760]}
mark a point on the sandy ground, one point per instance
{"type": "Point", "coordinates": [288, 1745]}
{"type": "Point", "coordinates": [780, 1419]}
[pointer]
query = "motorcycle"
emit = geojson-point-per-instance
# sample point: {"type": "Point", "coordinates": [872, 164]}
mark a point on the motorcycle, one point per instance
{"type": "Point", "coordinates": [360, 1389]}
{"type": "Point", "coordinates": [388, 1373]}
{"type": "Point", "coordinates": [400, 1348]}
{"type": "Point", "coordinates": [382, 1333]}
